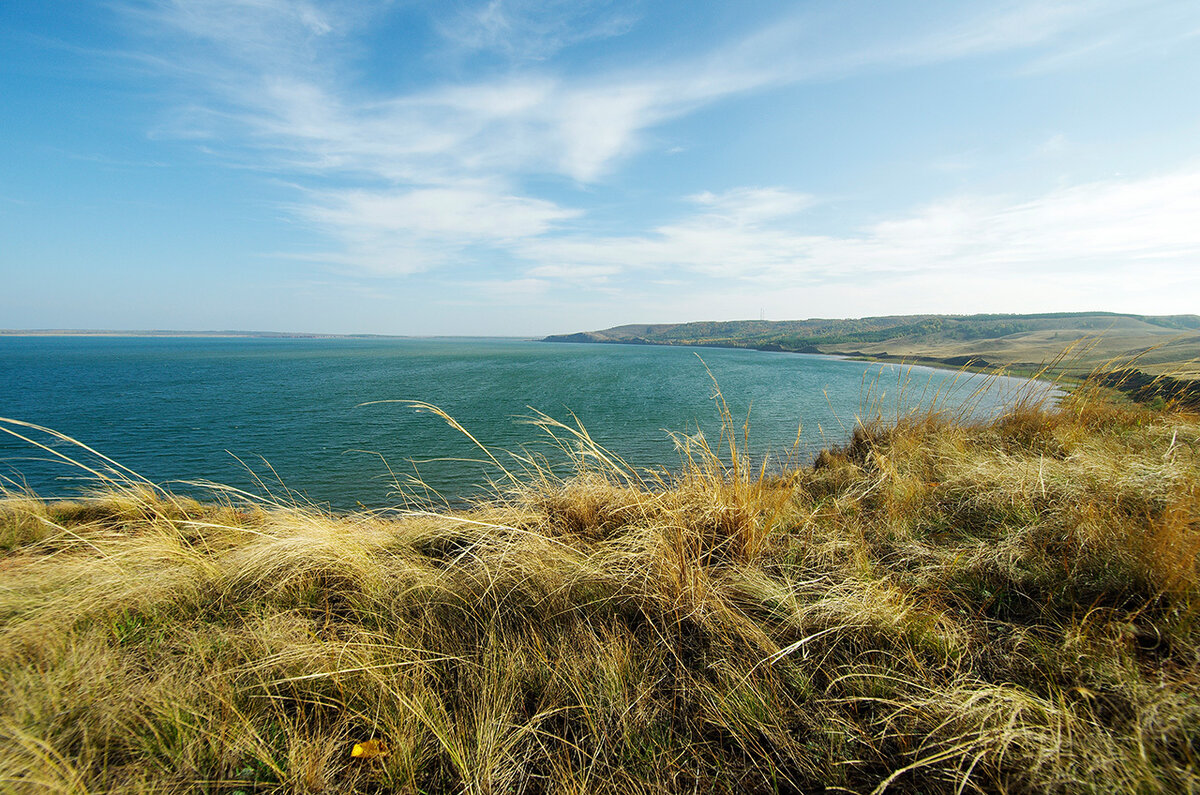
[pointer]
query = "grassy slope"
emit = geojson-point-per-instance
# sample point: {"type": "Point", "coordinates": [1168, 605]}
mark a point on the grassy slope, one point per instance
{"type": "Point", "coordinates": [935, 608]}
{"type": "Point", "coordinates": [1023, 341]}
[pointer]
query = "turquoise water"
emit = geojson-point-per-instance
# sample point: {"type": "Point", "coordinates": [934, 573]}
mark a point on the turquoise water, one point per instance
{"type": "Point", "coordinates": [221, 410]}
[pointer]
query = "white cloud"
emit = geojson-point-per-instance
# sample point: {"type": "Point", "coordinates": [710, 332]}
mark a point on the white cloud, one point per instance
{"type": "Point", "coordinates": [271, 76]}
{"type": "Point", "coordinates": [471, 215]}
{"type": "Point", "coordinates": [750, 206]}
{"type": "Point", "coordinates": [1114, 223]}
{"type": "Point", "coordinates": [533, 29]}
{"type": "Point", "coordinates": [509, 291]}
{"type": "Point", "coordinates": [1010, 25]}
{"type": "Point", "coordinates": [272, 81]}
{"type": "Point", "coordinates": [264, 34]}
{"type": "Point", "coordinates": [279, 80]}
{"type": "Point", "coordinates": [408, 230]}
{"type": "Point", "coordinates": [1102, 230]}
{"type": "Point", "coordinates": [740, 233]}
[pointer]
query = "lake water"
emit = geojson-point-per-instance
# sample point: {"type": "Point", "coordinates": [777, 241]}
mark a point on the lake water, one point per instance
{"type": "Point", "coordinates": [176, 409]}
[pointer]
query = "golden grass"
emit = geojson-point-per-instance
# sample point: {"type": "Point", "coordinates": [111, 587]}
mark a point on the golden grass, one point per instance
{"type": "Point", "coordinates": [938, 606]}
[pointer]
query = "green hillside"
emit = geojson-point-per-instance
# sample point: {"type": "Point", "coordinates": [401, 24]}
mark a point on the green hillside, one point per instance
{"type": "Point", "coordinates": [1165, 344]}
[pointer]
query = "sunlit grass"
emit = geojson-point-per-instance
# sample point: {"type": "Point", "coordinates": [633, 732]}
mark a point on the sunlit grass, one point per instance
{"type": "Point", "coordinates": [939, 605]}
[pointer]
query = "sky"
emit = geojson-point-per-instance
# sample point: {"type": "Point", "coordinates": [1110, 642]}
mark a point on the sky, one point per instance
{"type": "Point", "coordinates": [530, 167]}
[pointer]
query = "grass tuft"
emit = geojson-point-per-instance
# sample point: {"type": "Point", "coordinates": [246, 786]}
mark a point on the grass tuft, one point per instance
{"type": "Point", "coordinates": [941, 605]}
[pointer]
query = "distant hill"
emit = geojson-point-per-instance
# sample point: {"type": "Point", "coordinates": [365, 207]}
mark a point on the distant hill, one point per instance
{"type": "Point", "coordinates": [1162, 343]}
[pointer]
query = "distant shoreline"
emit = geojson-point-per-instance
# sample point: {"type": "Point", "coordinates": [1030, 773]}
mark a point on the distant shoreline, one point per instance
{"type": "Point", "coordinates": [1070, 344]}
{"type": "Point", "coordinates": [974, 364]}
{"type": "Point", "coordinates": [232, 335]}
{"type": "Point", "coordinates": [977, 364]}
{"type": "Point", "coordinates": [1133, 382]}
{"type": "Point", "coordinates": [186, 334]}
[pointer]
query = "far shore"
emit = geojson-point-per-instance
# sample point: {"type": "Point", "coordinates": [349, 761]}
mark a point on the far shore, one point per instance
{"type": "Point", "coordinates": [1133, 383]}
{"type": "Point", "coordinates": [973, 364]}
{"type": "Point", "coordinates": [173, 333]}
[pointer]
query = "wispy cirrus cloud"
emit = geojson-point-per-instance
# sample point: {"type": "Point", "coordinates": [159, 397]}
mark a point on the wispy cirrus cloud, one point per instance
{"type": "Point", "coordinates": [408, 230]}
{"type": "Point", "coordinates": [423, 174]}
{"type": "Point", "coordinates": [745, 233]}
{"type": "Point", "coordinates": [533, 29]}
{"type": "Point", "coordinates": [263, 36]}
{"type": "Point", "coordinates": [1096, 230]}
{"type": "Point", "coordinates": [279, 77]}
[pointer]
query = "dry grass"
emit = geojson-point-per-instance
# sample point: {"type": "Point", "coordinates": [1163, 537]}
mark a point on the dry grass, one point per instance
{"type": "Point", "coordinates": [939, 606]}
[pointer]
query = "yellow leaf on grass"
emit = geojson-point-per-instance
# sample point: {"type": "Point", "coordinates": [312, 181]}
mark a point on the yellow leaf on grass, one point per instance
{"type": "Point", "coordinates": [368, 749]}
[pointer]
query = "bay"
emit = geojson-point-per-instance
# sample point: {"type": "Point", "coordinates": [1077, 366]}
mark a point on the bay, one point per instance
{"type": "Point", "coordinates": [301, 418]}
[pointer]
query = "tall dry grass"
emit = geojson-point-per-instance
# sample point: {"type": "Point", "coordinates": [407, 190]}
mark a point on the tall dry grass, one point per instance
{"type": "Point", "coordinates": [937, 606]}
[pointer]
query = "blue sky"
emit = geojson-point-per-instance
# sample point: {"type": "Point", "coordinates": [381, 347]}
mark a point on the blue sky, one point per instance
{"type": "Point", "coordinates": [527, 167]}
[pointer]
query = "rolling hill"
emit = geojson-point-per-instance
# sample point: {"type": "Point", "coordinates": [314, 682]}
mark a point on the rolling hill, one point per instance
{"type": "Point", "coordinates": [1155, 345]}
